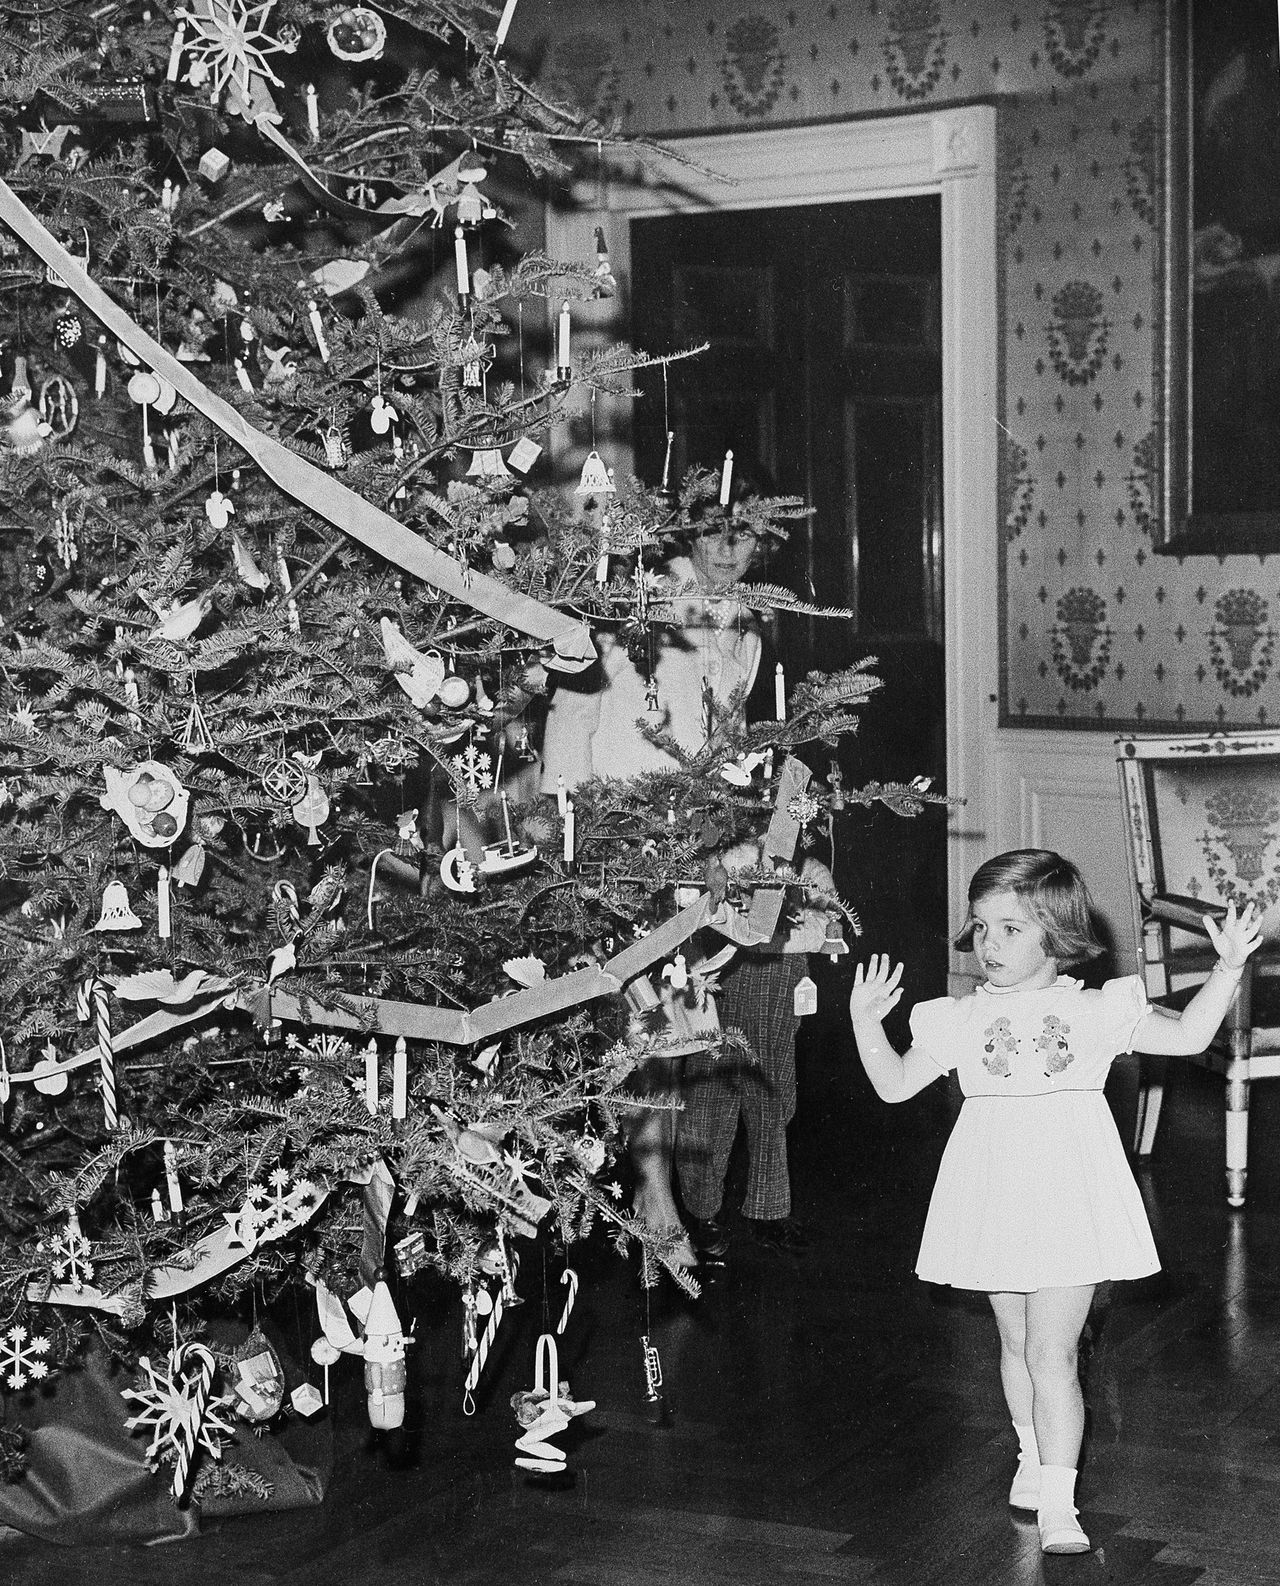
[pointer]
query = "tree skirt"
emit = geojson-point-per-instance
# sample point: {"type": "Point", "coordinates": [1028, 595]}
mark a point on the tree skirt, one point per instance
{"type": "Point", "coordinates": [88, 1482]}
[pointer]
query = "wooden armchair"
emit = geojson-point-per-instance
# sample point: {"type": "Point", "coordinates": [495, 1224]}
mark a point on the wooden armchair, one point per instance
{"type": "Point", "coordinates": [1202, 816]}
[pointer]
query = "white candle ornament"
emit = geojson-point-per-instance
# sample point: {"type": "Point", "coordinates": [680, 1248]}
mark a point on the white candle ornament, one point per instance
{"type": "Point", "coordinates": [726, 479]}
{"type": "Point", "coordinates": [317, 329]}
{"type": "Point", "coordinates": [313, 111]}
{"type": "Point", "coordinates": [779, 693]}
{"type": "Point", "coordinates": [500, 37]}
{"type": "Point", "coordinates": [175, 52]}
{"type": "Point", "coordinates": [570, 834]}
{"type": "Point", "coordinates": [562, 341]}
{"type": "Point", "coordinates": [371, 1076]}
{"type": "Point", "coordinates": [171, 1178]}
{"type": "Point", "coordinates": [164, 917]}
{"type": "Point", "coordinates": [460, 260]}
{"type": "Point", "coordinates": [400, 1079]}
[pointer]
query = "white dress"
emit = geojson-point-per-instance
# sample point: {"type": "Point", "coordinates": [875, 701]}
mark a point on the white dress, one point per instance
{"type": "Point", "coordinates": [1033, 1190]}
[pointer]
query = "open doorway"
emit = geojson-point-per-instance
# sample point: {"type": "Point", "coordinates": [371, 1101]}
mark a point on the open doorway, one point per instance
{"type": "Point", "coordinates": [824, 376]}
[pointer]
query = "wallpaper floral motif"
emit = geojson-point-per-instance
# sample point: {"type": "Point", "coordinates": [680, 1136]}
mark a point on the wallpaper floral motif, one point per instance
{"type": "Point", "coordinates": [1099, 630]}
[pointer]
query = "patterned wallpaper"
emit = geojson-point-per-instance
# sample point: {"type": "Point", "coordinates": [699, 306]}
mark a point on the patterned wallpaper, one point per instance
{"type": "Point", "coordinates": [1098, 631]}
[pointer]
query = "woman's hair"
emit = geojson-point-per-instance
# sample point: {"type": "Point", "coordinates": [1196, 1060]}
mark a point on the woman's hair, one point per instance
{"type": "Point", "coordinates": [1053, 893]}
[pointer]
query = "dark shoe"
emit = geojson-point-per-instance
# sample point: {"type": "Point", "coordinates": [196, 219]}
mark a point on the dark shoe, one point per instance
{"type": "Point", "coordinates": [780, 1233]}
{"type": "Point", "coordinates": [710, 1238]}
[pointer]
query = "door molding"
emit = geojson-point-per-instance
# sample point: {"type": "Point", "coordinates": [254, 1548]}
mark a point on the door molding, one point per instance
{"type": "Point", "coordinates": [951, 153]}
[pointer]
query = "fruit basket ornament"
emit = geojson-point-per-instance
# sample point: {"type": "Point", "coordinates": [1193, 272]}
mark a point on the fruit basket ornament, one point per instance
{"type": "Point", "coordinates": [356, 34]}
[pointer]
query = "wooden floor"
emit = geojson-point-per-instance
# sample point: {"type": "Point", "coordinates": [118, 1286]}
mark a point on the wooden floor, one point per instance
{"type": "Point", "coordinates": [831, 1418]}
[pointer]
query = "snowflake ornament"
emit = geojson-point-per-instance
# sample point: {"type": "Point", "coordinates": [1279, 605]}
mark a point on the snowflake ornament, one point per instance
{"type": "Point", "coordinates": [519, 1166]}
{"type": "Point", "coordinates": [20, 1357]}
{"type": "Point", "coordinates": [273, 1209]}
{"type": "Point", "coordinates": [68, 1253]}
{"type": "Point", "coordinates": [472, 766]}
{"type": "Point", "coordinates": [168, 1410]}
{"type": "Point", "coordinates": [229, 47]}
{"type": "Point", "coordinates": [803, 809]}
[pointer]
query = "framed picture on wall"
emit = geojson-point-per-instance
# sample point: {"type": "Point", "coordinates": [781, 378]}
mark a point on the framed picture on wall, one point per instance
{"type": "Point", "coordinates": [1218, 346]}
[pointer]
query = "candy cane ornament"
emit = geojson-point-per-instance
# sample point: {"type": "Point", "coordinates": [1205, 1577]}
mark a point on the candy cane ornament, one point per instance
{"type": "Point", "coordinates": [492, 1323]}
{"type": "Point", "coordinates": [569, 1277]}
{"type": "Point", "coordinates": [197, 1404]}
{"type": "Point", "coordinates": [91, 994]}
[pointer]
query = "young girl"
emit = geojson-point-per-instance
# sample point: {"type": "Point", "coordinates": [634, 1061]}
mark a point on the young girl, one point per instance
{"type": "Point", "coordinates": [1034, 1202]}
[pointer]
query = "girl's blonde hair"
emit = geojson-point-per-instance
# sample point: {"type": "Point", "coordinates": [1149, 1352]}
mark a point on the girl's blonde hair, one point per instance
{"type": "Point", "coordinates": [1053, 893]}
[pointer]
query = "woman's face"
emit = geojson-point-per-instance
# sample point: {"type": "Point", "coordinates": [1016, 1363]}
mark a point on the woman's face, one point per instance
{"type": "Point", "coordinates": [723, 558]}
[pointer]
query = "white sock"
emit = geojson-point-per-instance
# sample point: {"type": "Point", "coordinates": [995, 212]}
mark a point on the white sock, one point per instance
{"type": "Point", "coordinates": [1027, 1448]}
{"type": "Point", "coordinates": [1057, 1489]}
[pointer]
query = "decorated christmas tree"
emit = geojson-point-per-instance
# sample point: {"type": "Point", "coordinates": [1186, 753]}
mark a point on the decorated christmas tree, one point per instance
{"type": "Point", "coordinates": [302, 987]}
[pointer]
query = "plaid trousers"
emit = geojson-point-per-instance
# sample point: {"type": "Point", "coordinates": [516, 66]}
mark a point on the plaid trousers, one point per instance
{"type": "Point", "coordinates": [757, 997]}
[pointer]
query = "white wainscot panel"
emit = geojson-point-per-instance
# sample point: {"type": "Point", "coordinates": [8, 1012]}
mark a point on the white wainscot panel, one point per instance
{"type": "Point", "coordinates": [1060, 791]}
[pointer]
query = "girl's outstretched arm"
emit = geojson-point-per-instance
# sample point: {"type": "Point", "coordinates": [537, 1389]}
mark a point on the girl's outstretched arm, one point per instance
{"type": "Point", "coordinates": [1186, 1033]}
{"type": "Point", "coordinates": [877, 989]}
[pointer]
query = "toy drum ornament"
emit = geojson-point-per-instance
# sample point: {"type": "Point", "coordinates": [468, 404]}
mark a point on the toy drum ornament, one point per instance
{"type": "Point", "coordinates": [357, 34]}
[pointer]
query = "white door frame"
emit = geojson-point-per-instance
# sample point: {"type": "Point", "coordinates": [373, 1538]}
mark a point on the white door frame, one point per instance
{"type": "Point", "coordinates": [951, 153]}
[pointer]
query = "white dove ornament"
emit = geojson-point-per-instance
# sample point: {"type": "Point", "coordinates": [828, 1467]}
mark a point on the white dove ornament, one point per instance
{"type": "Point", "coordinates": [246, 566]}
{"type": "Point", "coordinates": [419, 675]}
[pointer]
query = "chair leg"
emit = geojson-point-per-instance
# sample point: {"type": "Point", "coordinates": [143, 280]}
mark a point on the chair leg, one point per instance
{"type": "Point", "coordinates": [1237, 1132]}
{"type": "Point", "coordinates": [1151, 1074]}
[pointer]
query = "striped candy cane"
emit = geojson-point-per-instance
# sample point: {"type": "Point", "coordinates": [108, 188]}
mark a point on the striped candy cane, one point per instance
{"type": "Point", "coordinates": [188, 1431]}
{"type": "Point", "coordinates": [570, 1277]}
{"type": "Point", "coordinates": [482, 1351]}
{"type": "Point", "coordinates": [92, 993]}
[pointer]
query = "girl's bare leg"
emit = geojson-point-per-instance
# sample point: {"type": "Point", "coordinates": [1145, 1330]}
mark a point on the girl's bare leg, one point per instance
{"type": "Point", "coordinates": [650, 1144]}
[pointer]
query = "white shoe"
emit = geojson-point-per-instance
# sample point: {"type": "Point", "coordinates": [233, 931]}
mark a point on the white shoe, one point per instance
{"type": "Point", "coordinates": [1060, 1532]}
{"type": "Point", "coordinates": [1025, 1491]}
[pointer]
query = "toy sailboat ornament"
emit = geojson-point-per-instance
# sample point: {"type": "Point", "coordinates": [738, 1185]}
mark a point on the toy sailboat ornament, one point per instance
{"type": "Point", "coordinates": [505, 857]}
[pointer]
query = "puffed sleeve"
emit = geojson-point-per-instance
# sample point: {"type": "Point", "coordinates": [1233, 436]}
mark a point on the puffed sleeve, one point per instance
{"type": "Point", "coordinates": [1123, 1006]}
{"type": "Point", "coordinates": [933, 1030]}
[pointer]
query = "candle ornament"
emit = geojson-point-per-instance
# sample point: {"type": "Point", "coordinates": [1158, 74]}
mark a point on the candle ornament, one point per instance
{"type": "Point", "coordinates": [726, 479]}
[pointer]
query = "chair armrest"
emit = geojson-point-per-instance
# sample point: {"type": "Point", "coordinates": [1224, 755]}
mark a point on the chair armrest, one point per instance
{"type": "Point", "coordinates": [1186, 913]}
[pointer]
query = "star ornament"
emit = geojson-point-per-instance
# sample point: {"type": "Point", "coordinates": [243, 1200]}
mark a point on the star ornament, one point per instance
{"type": "Point", "coordinates": [230, 44]}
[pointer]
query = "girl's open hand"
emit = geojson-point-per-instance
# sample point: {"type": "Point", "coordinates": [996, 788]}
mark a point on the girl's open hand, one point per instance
{"type": "Point", "coordinates": [1237, 936]}
{"type": "Point", "coordinates": [877, 988]}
